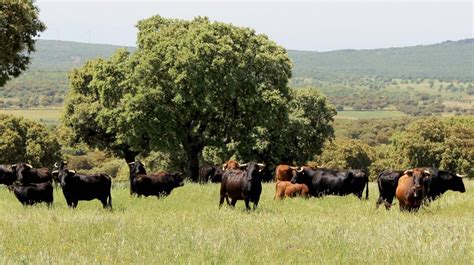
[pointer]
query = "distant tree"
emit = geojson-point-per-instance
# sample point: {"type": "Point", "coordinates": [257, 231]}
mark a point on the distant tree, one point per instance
{"type": "Point", "coordinates": [19, 25]}
{"type": "Point", "coordinates": [344, 153]}
{"type": "Point", "coordinates": [22, 140]}
{"type": "Point", "coordinates": [434, 142]}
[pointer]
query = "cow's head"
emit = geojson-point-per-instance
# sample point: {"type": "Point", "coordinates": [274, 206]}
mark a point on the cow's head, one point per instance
{"type": "Point", "coordinates": [64, 174]}
{"type": "Point", "coordinates": [23, 171]}
{"type": "Point", "coordinates": [419, 177]}
{"type": "Point", "coordinates": [136, 168]}
{"type": "Point", "coordinates": [60, 166]}
{"type": "Point", "coordinates": [254, 170]}
{"type": "Point", "coordinates": [452, 181]}
{"type": "Point", "coordinates": [299, 176]}
{"type": "Point", "coordinates": [231, 164]}
{"type": "Point", "coordinates": [7, 175]}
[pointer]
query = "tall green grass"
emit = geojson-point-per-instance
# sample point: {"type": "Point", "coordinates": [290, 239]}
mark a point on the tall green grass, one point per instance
{"type": "Point", "coordinates": [188, 227]}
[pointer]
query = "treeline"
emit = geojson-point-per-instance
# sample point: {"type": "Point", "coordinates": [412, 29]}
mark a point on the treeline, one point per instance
{"type": "Point", "coordinates": [374, 145]}
{"type": "Point", "coordinates": [380, 144]}
{"type": "Point", "coordinates": [450, 60]}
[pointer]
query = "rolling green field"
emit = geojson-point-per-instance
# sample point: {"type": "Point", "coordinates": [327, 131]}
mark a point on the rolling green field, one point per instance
{"type": "Point", "coordinates": [368, 114]}
{"type": "Point", "coordinates": [187, 227]}
{"type": "Point", "coordinates": [45, 116]}
{"type": "Point", "coordinates": [51, 116]}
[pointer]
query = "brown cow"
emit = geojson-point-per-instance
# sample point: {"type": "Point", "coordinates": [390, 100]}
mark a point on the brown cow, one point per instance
{"type": "Point", "coordinates": [284, 172]}
{"type": "Point", "coordinates": [231, 164]}
{"type": "Point", "coordinates": [288, 189]}
{"type": "Point", "coordinates": [411, 189]}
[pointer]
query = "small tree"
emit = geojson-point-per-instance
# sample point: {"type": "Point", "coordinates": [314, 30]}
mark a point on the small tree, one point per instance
{"type": "Point", "coordinates": [23, 140]}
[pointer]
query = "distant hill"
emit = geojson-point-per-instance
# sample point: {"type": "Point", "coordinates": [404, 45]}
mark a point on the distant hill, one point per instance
{"type": "Point", "coordinates": [447, 60]}
{"type": "Point", "coordinates": [62, 56]}
{"type": "Point", "coordinates": [45, 82]}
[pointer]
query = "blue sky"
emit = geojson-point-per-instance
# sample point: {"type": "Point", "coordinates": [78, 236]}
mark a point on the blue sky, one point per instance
{"type": "Point", "coordinates": [307, 25]}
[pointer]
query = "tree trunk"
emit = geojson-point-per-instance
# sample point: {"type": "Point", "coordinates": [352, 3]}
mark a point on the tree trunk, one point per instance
{"type": "Point", "coordinates": [192, 163]}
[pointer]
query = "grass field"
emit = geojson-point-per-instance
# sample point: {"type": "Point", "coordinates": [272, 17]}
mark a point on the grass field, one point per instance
{"type": "Point", "coordinates": [45, 116]}
{"type": "Point", "coordinates": [188, 228]}
{"type": "Point", "coordinates": [368, 114]}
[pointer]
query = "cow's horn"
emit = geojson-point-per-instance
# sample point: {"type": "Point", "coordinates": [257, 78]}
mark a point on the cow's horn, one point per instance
{"type": "Point", "coordinates": [65, 162]}
{"type": "Point", "coordinates": [428, 172]}
{"type": "Point", "coordinates": [243, 165]}
{"type": "Point", "coordinates": [408, 171]}
{"type": "Point", "coordinates": [293, 167]}
{"type": "Point", "coordinates": [131, 163]}
{"type": "Point", "coordinates": [299, 169]}
{"type": "Point", "coordinates": [260, 164]}
{"type": "Point", "coordinates": [28, 165]}
{"type": "Point", "coordinates": [56, 164]}
{"type": "Point", "coordinates": [461, 176]}
{"type": "Point", "coordinates": [55, 171]}
{"type": "Point", "coordinates": [14, 165]}
{"type": "Point", "coordinates": [72, 171]}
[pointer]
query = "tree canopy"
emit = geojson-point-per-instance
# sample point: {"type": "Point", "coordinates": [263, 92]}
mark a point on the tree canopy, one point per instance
{"type": "Point", "coordinates": [19, 25]}
{"type": "Point", "coordinates": [27, 141]}
{"type": "Point", "coordinates": [196, 84]}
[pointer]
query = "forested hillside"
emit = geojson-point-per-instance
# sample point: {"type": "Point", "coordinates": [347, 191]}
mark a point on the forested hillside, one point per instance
{"type": "Point", "coordinates": [448, 60]}
{"type": "Point", "coordinates": [46, 81]}
{"type": "Point", "coordinates": [352, 79]}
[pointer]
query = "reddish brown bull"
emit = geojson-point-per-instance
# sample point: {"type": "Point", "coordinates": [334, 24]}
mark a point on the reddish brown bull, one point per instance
{"type": "Point", "coordinates": [410, 190]}
{"type": "Point", "coordinates": [231, 164]}
{"type": "Point", "coordinates": [284, 172]}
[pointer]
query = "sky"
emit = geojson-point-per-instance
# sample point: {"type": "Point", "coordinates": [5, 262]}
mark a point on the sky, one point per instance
{"type": "Point", "coordinates": [306, 25]}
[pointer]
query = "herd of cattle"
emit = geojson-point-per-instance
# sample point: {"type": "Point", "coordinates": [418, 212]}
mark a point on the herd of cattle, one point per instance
{"type": "Point", "coordinates": [412, 187]}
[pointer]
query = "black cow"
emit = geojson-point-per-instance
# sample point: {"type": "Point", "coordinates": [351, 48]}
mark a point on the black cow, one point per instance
{"type": "Point", "coordinates": [360, 179]}
{"type": "Point", "coordinates": [440, 182]}
{"type": "Point", "coordinates": [157, 184]}
{"type": "Point", "coordinates": [29, 194]}
{"type": "Point", "coordinates": [7, 175]}
{"type": "Point", "coordinates": [322, 181]}
{"type": "Point", "coordinates": [212, 173]}
{"type": "Point", "coordinates": [28, 174]}
{"type": "Point", "coordinates": [81, 187]}
{"type": "Point", "coordinates": [387, 182]}
{"type": "Point", "coordinates": [242, 185]}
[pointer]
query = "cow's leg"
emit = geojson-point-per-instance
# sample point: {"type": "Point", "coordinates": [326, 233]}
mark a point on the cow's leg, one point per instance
{"type": "Point", "coordinates": [233, 202]}
{"type": "Point", "coordinates": [221, 200]}
{"type": "Point", "coordinates": [104, 202]}
{"type": "Point", "coordinates": [255, 203]}
{"type": "Point", "coordinates": [247, 204]}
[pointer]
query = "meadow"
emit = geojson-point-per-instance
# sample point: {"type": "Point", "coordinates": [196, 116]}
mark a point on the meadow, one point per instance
{"type": "Point", "coordinates": [45, 116]}
{"type": "Point", "coordinates": [188, 227]}
{"type": "Point", "coordinates": [368, 114]}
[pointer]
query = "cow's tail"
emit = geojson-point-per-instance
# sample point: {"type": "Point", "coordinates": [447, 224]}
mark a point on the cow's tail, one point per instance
{"type": "Point", "coordinates": [367, 189]}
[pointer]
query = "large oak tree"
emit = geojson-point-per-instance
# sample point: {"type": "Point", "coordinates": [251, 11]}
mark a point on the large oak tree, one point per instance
{"type": "Point", "coordinates": [193, 84]}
